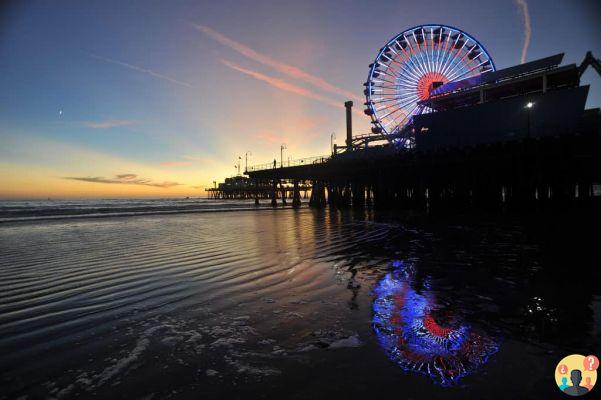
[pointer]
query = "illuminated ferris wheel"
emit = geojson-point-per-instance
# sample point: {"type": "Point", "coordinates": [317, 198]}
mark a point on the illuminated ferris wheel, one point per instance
{"type": "Point", "coordinates": [413, 63]}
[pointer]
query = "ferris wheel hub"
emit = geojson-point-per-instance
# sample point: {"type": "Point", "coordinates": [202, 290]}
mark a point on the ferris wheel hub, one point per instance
{"type": "Point", "coordinates": [429, 81]}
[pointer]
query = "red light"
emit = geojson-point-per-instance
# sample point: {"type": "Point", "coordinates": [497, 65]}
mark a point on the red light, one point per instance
{"type": "Point", "coordinates": [424, 85]}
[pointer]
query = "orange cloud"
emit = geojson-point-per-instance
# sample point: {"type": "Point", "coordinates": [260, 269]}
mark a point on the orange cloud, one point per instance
{"type": "Point", "coordinates": [269, 136]}
{"type": "Point", "coordinates": [108, 124]}
{"type": "Point", "coordinates": [124, 179]}
{"type": "Point", "coordinates": [284, 85]}
{"type": "Point", "coordinates": [279, 66]}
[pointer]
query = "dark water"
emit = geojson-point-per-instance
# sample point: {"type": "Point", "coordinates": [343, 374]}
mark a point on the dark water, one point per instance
{"type": "Point", "coordinates": [299, 304]}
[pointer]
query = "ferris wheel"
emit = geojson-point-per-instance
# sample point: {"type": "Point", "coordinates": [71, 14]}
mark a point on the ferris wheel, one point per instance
{"type": "Point", "coordinates": [413, 63]}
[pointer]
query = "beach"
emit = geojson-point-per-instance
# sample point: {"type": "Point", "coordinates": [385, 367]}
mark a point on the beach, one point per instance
{"type": "Point", "coordinates": [281, 303]}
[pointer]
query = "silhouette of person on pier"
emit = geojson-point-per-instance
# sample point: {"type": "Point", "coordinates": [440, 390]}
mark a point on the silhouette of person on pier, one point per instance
{"type": "Point", "coordinates": [576, 389]}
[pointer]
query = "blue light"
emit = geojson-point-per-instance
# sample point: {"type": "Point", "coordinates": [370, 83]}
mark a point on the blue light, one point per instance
{"type": "Point", "coordinates": [407, 330]}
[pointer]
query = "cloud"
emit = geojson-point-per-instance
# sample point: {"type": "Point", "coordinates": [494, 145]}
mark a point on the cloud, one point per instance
{"type": "Point", "coordinates": [123, 179]}
{"type": "Point", "coordinates": [108, 124]}
{"type": "Point", "coordinates": [141, 69]}
{"type": "Point", "coordinates": [176, 164]}
{"type": "Point", "coordinates": [279, 66]}
{"type": "Point", "coordinates": [126, 176]}
{"type": "Point", "coordinates": [523, 6]}
{"type": "Point", "coordinates": [284, 85]}
{"type": "Point", "coordinates": [268, 136]}
{"type": "Point", "coordinates": [195, 158]}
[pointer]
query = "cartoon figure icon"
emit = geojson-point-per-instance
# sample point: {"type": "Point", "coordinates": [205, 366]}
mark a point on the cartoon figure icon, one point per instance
{"type": "Point", "coordinates": [576, 375]}
{"type": "Point", "coordinates": [576, 389]}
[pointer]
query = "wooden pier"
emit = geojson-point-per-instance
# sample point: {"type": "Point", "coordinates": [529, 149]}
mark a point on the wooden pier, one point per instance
{"type": "Point", "coordinates": [550, 171]}
{"type": "Point", "coordinates": [241, 187]}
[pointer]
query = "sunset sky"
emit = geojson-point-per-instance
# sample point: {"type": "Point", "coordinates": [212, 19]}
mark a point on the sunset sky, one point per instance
{"type": "Point", "coordinates": [160, 98]}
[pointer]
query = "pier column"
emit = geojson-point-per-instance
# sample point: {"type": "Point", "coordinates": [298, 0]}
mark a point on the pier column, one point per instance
{"type": "Point", "coordinates": [322, 194]}
{"type": "Point", "coordinates": [318, 195]}
{"type": "Point", "coordinates": [274, 202]}
{"type": "Point", "coordinates": [312, 198]}
{"type": "Point", "coordinates": [358, 195]}
{"type": "Point", "coordinates": [348, 195]}
{"type": "Point", "coordinates": [283, 189]}
{"type": "Point", "coordinates": [296, 201]}
{"type": "Point", "coordinates": [256, 192]}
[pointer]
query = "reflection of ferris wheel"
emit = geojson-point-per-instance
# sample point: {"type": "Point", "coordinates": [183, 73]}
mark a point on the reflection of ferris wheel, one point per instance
{"type": "Point", "coordinates": [415, 62]}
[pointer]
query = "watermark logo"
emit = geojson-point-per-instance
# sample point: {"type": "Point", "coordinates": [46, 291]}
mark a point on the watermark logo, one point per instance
{"type": "Point", "coordinates": [576, 375]}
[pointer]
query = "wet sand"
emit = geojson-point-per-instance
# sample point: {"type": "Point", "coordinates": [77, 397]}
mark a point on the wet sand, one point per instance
{"type": "Point", "coordinates": [284, 304]}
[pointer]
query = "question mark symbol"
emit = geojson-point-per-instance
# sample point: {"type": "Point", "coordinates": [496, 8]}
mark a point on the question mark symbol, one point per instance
{"type": "Point", "coordinates": [591, 363]}
{"type": "Point", "coordinates": [563, 369]}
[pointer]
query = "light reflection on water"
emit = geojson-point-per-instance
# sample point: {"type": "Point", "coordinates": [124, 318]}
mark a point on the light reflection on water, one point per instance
{"type": "Point", "coordinates": [235, 305]}
{"type": "Point", "coordinates": [420, 337]}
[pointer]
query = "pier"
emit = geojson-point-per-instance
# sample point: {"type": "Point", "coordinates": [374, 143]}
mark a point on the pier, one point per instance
{"type": "Point", "coordinates": [551, 171]}
{"type": "Point", "coordinates": [240, 188]}
{"type": "Point", "coordinates": [517, 138]}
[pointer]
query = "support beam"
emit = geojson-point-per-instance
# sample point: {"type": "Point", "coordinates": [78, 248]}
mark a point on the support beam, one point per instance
{"type": "Point", "coordinates": [296, 201]}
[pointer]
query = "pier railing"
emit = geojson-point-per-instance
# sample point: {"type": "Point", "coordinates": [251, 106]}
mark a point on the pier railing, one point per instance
{"type": "Point", "coordinates": [288, 163]}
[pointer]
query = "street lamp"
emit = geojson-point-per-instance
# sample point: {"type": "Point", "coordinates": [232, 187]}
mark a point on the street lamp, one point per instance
{"type": "Point", "coordinates": [246, 160]}
{"type": "Point", "coordinates": [528, 108]}
{"type": "Point", "coordinates": [332, 137]}
{"type": "Point", "coordinates": [282, 147]}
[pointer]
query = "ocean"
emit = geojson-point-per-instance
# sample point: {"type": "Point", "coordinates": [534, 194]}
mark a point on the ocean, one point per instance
{"type": "Point", "coordinates": [195, 298]}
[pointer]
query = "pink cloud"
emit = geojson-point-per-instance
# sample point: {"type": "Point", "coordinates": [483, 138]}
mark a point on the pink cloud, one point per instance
{"type": "Point", "coordinates": [284, 85]}
{"type": "Point", "coordinates": [123, 179]}
{"type": "Point", "coordinates": [279, 66]}
{"type": "Point", "coordinates": [108, 124]}
{"type": "Point", "coordinates": [269, 137]}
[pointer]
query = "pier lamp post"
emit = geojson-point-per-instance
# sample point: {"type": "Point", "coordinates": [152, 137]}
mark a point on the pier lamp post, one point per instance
{"type": "Point", "coordinates": [282, 148]}
{"type": "Point", "coordinates": [332, 137]}
{"type": "Point", "coordinates": [246, 160]}
{"type": "Point", "coordinates": [528, 108]}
